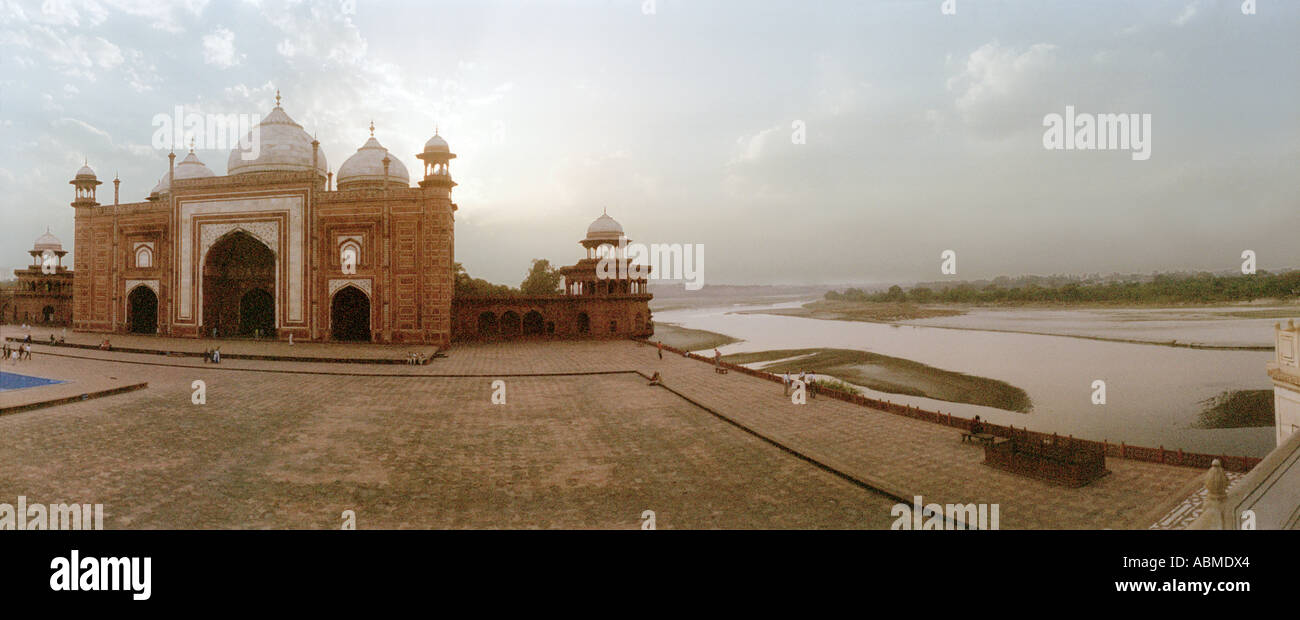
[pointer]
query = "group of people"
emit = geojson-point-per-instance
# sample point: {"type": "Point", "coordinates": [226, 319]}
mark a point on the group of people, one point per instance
{"type": "Point", "coordinates": [18, 352]}
{"type": "Point", "coordinates": [212, 356]}
{"type": "Point", "coordinates": [809, 379]}
{"type": "Point", "coordinates": [415, 358]}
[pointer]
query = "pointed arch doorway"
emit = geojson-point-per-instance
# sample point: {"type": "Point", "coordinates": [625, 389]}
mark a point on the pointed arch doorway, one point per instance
{"type": "Point", "coordinates": [238, 287]}
{"type": "Point", "coordinates": [350, 315]}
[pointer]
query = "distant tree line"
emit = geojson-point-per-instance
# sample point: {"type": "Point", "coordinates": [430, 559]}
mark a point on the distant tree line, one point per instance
{"type": "Point", "coordinates": [1156, 289]}
{"type": "Point", "coordinates": [541, 279]}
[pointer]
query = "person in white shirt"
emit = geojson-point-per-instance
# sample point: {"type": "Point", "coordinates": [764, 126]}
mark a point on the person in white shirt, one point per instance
{"type": "Point", "coordinates": [785, 382]}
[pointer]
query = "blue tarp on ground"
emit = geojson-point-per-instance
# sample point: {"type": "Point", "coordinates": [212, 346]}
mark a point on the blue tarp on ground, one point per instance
{"type": "Point", "coordinates": [12, 381]}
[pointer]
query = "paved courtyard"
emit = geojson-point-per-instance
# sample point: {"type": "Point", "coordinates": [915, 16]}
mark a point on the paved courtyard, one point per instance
{"type": "Point", "coordinates": [294, 444]}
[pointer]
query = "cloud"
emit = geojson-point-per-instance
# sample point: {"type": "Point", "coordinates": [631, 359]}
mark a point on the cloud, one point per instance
{"type": "Point", "coordinates": [752, 148]}
{"type": "Point", "coordinates": [165, 16]}
{"type": "Point", "coordinates": [75, 55]}
{"type": "Point", "coordinates": [219, 49]}
{"type": "Point", "coordinates": [1189, 12]}
{"type": "Point", "coordinates": [66, 122]}
{"type": "Point", "coordinates": [997, 86]}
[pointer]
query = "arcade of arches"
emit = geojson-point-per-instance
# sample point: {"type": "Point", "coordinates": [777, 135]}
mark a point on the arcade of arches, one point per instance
{"type": "Point", "coordinates": [549, 317]}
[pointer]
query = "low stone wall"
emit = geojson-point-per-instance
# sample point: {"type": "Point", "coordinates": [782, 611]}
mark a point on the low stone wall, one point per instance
{"type": "Point", "coordinates": [1121, 450]}
{"type": "Point", "coordinates": [566, 317]}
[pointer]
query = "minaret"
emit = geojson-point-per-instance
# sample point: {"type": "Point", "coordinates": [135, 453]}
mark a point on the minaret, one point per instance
{"type": "Point", "coordinates": [117, 183]}
{"type": "Point", "coordinates": [437, 156]}
{"type": "Point", "coordinates": [84, 187]}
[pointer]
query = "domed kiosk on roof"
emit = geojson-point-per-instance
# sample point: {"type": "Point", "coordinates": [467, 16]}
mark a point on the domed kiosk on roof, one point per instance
{"type": "Point", "coordinates": [47, 241]}
{"type": "Point", "coordinates": [43, 293]}
{"type": "Point", "coordinates": [605, 229]}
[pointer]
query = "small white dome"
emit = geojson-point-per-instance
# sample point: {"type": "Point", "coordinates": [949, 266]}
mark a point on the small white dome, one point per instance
{"type": "Point", "coordinates": [605, 227]}
{"type": "Point", "coordinates": [282, 144]}
{"type": "Point", "coordinates": [47, 242]}
{"type": "Point", "coordinates": [189, 168]}
{"type": "Point", "coordinates": [367, 164]}
{"type": "Point", "coordinates": [437, 144]}
{"type": "Point", "coordinates": [85, 173]}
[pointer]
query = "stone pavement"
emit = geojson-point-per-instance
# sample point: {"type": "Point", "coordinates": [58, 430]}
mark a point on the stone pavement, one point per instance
{"type": "Point", "coordinates": [293, 444]}
{"type": "Point", "coordinates": [229, 346]}
{"type": "Point", "coordinates": [911, 457]}
{"type": "Point", "coordinates": [289, 450]}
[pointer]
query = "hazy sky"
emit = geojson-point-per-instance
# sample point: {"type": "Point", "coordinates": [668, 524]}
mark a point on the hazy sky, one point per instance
{"type": "Point", "coordinates": [924, 131]}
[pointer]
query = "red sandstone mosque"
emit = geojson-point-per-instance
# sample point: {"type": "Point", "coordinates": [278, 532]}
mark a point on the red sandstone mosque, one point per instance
{"type": "Point", "coordinates": [281, 246]}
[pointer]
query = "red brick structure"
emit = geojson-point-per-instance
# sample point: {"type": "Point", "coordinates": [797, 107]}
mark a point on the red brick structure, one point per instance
{"type": "Point", "coordinates": [43, 293]}
{"type": "Point", "coordinates": [272, 250]}
{"type": "Point", "coordinates": [600, 300]}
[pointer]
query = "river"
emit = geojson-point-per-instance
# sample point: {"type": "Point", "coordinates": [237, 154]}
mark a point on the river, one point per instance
{"type": "Point", "coordinates": [1154, 393]}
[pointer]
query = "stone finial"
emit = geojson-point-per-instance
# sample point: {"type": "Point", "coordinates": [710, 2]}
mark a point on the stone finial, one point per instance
{"type": "Point", "coordinates": [277, 97]}
{"type": "Point", "coordinates": [1216, 496]}
{"type": "Point", "coordinates": [1216, 482]}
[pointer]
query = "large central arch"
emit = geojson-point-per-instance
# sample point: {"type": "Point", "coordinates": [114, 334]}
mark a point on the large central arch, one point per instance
{"type": "Point", "coordinates": [239, 287]}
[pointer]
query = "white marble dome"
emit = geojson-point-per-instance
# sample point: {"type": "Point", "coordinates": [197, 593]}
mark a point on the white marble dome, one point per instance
{"type": "Point", "coordinates": [436, 144]}
{"type": "Point", "coordinates": [605, 227]}
{"type": "Point", "coordinates": [367, 164]}
{"type": "Point", "coordinates": [283, 146]}
{"type": "Point", "coordinates": [189, 168]}
{"type": "Point", "coordinates": [47, 242]}
{"type": "Point", "coordinates": [85, 172]}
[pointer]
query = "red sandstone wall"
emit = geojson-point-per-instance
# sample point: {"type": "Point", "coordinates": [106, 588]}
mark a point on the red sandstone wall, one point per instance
{"type": "Point", "coordinates": [563, 311]}
{"type": "Point", "coordinates": [96, 289]}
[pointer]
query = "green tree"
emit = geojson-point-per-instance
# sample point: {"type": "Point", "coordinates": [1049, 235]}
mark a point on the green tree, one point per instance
{"type": "Point", "coordinates": [465, 286]}
{"type": "Point", "coordinates": [542, 279]}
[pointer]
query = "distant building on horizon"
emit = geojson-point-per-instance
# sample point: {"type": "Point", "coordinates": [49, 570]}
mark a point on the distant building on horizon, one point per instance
{"type": "Point", "coordinates": [42, 294]}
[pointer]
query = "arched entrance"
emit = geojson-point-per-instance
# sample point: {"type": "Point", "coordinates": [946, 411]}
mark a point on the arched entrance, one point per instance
{"type": "Point", "coordinates": [257, 313]}
{"type": "Point", "coordinates": [487, 324]}
{"type": "Point", "coordinates": [350, 315]}
{"type": "Point", "coordinates": [142, 311]}
{"type": "Point", "coordinates": [533, 323]}
{"type": "Point", "coordinates": [238, 285]}
{"type": "Point", "coordinates": [510, 323]}
{"type": "Point", "coordinates": [47, 314]}
{"type": "Point", "coordinates": [584, 323]}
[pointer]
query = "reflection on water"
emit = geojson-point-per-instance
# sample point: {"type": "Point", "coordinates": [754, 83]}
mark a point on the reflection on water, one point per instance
{"type": "Point", "coordinates": [1153, 393]}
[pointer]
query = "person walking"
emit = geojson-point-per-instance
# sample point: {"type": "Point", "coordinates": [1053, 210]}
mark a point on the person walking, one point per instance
{"type": "Point", "coordinates": [785, 383]}
{"type": "Point", "coordinates": [660, 346]}
{"type": "Point", "coordinates": [27, 352]}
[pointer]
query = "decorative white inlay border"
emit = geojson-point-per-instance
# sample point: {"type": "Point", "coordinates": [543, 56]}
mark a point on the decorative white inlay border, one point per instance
{"type": "Point", "coordinates": [266, 232]}
{"type": "Point", "coordinates": [336, 284]}
{"type": "Point", "coordinates": [291, 263]}
{"type": "Point", "coordinates": [131, 284]}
